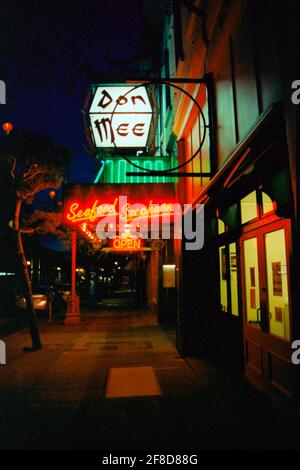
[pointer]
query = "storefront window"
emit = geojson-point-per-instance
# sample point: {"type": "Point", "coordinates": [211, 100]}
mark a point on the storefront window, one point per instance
{"type": "Point", "coordinates": [254, 205]}
{"type": "Point", "coordinates": [229, 300]}
{"type": "Point", "coordinates": [277, 284]}
{"type": "Point", "coordinates": [252, 280]}
{"type": "Point", "coordinates": [233, 279]}
{"type": "Point", "coordinates": [249, 207]}
{"type": "Point", "coordinates": [221, 227]}
{"type": "Point", "coordinates": [223, 278]}
{"type": "Point", "coordinates": [267, 204]}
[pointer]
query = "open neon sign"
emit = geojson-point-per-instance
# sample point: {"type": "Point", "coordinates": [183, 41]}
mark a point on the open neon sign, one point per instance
{"type": "Point", "coordinates": [126, 244]}
{"type": "Point", "coordinates": [120, 116]}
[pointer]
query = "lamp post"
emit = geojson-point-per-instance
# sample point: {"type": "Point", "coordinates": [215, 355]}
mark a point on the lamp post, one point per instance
{"type": "Point", "coordinates": [7, 127]}
{"type": "Point", "coordinates": [73, 314]}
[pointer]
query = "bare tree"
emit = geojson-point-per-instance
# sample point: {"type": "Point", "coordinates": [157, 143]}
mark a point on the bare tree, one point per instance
{"type": "Point", "coordinates": [30, 163]}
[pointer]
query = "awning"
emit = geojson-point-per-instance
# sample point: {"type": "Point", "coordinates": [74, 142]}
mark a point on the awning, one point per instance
{"type": "Point", "coordinates": [261, 158]}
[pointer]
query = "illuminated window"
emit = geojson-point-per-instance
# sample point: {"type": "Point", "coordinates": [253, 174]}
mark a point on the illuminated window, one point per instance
{"type": "Point", "coordinates": [249, 207]}
{"type": "Point", "coordinates": [277, 277]}
{"type": "Point", "coordinates": [233, 279]}
{"type": "Point", "coordinates": [223, 278]}
{"type": "Point", "coordinates": [267, 204]}
{"type": "Point", "coordinates": [252, 280]}
{"type": "Point", "coordinates": [221, 227]}
{"type": "Point", "coordinates": [228, 276]}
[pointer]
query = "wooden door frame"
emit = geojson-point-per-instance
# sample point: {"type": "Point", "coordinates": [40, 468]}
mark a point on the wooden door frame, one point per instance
{"type": "Point", "coordinates": [261, 229]}
{"type": "Point", "coordinates": [267, 343]}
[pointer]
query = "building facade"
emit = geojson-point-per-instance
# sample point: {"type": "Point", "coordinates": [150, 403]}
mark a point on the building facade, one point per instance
{"type": "Point", "coordinates": [243, 300]}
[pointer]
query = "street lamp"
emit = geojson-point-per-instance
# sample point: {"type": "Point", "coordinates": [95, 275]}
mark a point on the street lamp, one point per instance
{"type": "Point", "coordinates": [7, 127]}
{"type": "Point", "coordinates": [58, 269]}
{"type": "Point", "coordinates": [29, 267]}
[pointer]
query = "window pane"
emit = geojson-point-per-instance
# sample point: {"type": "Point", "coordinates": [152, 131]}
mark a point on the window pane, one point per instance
{"type": "Point", "coordinates": [249, 207]}
{"type": "Point", "coordinates": [205, 151]}
{"type": "Point", "coordinates": [233, 279]}
{"type": "Point", "coordinates": [277, 284]}
{"type": "Point", "coordinates": [223, 279]}
{"type": "Point", "coordinates": [251, 280]}
{"type": "Point", "coordinates": [196, 160]}
{"type": "Point", "coordinates": [267, 203]}
{"type": "Point", "coordinates": [221, 227]}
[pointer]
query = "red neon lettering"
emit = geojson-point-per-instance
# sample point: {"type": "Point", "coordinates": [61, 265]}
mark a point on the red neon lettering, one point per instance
{"type": "Point", "coordinates": [128, 244]}
{"type": "Point", "coordinates": [126, 211]}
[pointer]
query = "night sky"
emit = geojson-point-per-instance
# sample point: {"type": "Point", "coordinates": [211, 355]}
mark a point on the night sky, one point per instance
{"type": "Point", "coordinates": [50, 53]}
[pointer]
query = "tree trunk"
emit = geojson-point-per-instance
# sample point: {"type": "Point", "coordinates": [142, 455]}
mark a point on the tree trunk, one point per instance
{"type": "Point", "coordinates": [34, 333]}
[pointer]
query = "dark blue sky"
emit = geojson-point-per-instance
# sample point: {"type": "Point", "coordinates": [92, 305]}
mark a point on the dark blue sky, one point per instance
{"type": "Point", "coordinates": [50, 54]}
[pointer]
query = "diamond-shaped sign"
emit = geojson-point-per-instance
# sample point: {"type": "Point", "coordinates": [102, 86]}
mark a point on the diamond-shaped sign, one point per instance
{"type": "Point", "coordinates": [120, 116]}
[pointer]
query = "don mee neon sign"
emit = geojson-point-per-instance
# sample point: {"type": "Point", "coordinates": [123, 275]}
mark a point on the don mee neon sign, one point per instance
{"type": "Point", "coordinates": [120, 116]}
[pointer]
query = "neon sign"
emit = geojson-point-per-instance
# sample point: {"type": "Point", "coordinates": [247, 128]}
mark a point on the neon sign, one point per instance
{"type": "Point", "coordinates": [120, 116]}
{"type": "Point", "coordinates": [101, 212]}
{"type": "Point", "coordinates": [126, 244]}
{"type": "Point", "coordinates": [126, 211]}
{"type": "Point", "coordinates": [110, 211]}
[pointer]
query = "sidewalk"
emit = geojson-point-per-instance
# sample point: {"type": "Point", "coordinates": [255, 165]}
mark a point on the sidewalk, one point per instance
{"type": "Point", "coordinates": [11, 324]}
{"type": "Point", "coordinates": [56, 398]}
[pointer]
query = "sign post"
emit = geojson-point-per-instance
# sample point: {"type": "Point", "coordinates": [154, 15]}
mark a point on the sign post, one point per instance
{"type": "Point", "coordinates": [73, 314]}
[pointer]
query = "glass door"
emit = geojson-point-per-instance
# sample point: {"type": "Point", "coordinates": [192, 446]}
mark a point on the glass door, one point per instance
{"type": "Point", "coordinates": [252, 281]}
{"type": "Point", "coordinates": [277, 284]}
{"type": "Point", "coordinates": [266, 308]}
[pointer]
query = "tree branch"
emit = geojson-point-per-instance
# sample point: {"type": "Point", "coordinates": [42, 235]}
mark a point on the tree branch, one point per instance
{"type": "Point", "coordinates": [12, 171]}
{"type": "Point", "coordinates": [27, 230]}
{"type": "Point", "coordinates": [35, 173]}
{"type": "Point", "coordinates": [28, 171]}
{"type": "Point", "coordinates": [17, 214]}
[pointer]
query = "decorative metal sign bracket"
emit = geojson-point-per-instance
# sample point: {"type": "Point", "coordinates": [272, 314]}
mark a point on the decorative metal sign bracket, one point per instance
{"type": "Point", "coordinates": [174, 82]}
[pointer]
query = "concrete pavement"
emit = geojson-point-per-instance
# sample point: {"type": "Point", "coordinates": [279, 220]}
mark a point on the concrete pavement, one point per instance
{"type": "Point", "coordinates": [55, 398]}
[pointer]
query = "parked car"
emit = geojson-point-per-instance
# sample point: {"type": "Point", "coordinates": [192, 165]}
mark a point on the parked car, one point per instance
{"type": "Point", "coordinates": [64, 291]}
{"type": "Point", "coordinates": [41, 296]}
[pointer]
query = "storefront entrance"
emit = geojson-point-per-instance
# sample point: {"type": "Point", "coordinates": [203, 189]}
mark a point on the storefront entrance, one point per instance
{"type": "Point", "coordinates": [124, 280]}
{"type": "Point", "coordinates": [266, 308]}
